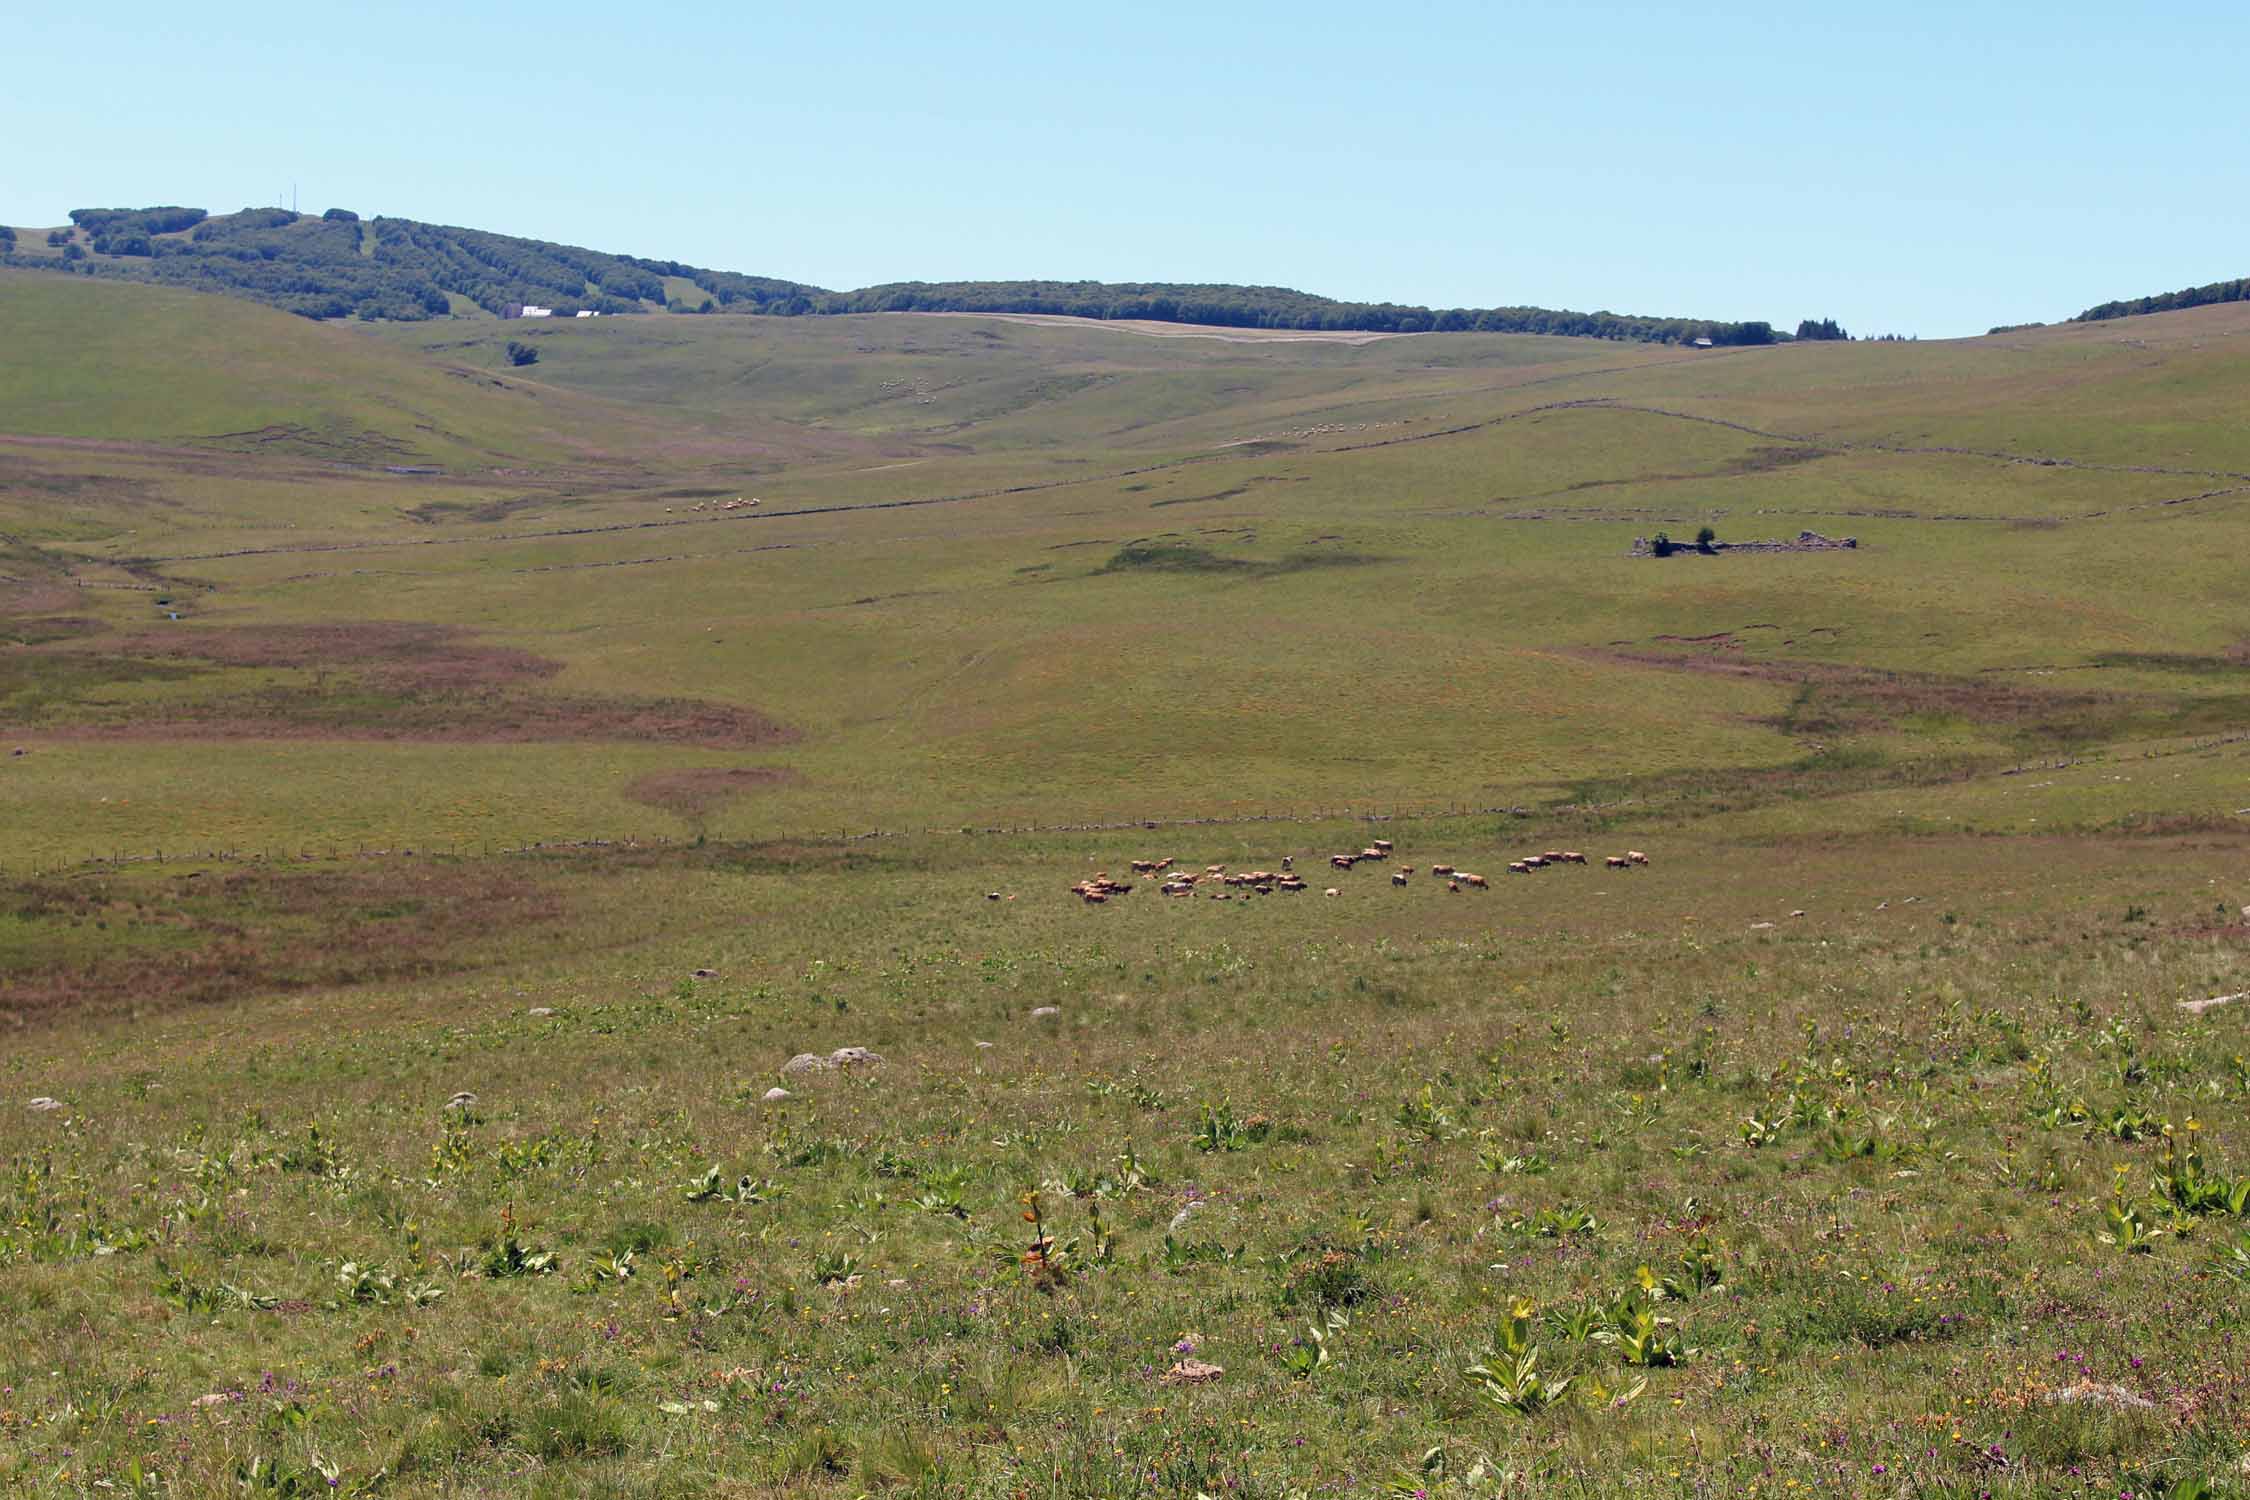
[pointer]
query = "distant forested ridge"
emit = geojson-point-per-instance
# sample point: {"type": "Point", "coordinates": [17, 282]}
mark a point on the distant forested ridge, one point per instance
{"type": "Point", "coordinates": [1270, 307]}
{"type": "Point", "coordinates": [338, 265]}
{"type": "Point", "coordinates": [2194, 296]}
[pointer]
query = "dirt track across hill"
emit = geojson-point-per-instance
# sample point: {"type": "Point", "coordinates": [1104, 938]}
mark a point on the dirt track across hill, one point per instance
{"type": "Point", "coordinates": [1155, 330]}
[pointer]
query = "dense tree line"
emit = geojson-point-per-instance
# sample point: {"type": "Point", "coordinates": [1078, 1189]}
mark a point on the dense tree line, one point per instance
{"type": "Point", "coordinates": [2194, 296]}
{"type": "Point", "coordinates": [338, 266]}
{"type": "Point", "coordinates": [1823, 329]}
{"type": "Point", "coordinates": [1269, 307]}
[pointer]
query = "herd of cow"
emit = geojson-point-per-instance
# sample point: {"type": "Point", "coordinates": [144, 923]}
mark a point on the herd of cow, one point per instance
{"type": "Point", "coordinates": [1177, 882]}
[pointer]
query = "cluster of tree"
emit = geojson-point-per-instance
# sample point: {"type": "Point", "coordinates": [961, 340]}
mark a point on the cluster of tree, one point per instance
{"type": "Point", "coordinates": [1267, 307]}
{"type": "Point", "coordinates": [132, 231]}
{"type": "Point", "coordinates": [336, 266]}
{"type": "Point", "coordinates": [1826, 328]}
{"type": "Point", "coordinates": [2194, 296]}
{"type": "Point", "coordinates": [1706, 542]}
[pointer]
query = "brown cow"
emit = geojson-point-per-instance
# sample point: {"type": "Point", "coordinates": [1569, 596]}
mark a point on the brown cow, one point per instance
{"type": "Point", "coordinates": [1573, 857]}
{"type": "Point", "coordinates": [1636, 856]}
{"type": "Point", "coordinates": [1618, 862]}
{"type": "Point", "coordinates": [1477, 881]}
{"type": "Point", "coordinates": [1441, 869]}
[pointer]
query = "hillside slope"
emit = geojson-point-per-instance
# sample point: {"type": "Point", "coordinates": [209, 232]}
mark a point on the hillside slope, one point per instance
{"type": "Point", "coordinates": [915, 570]}
{"type": "Point", "coordinates": [127, 363]}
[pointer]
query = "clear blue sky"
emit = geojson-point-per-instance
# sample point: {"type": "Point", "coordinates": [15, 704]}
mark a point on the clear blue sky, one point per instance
{"type": "Point", "coordinates": [1907, 166]}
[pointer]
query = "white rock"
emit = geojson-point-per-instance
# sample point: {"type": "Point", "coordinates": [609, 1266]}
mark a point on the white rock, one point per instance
{"type": "Point", "coordinates": [854, 1057]}
{"type": "Point", "coordinates": [462, 1100]}
{"type": "Point", "coordinates": [984, 1046]}
{"type": "Point", "coordinates": [1180, 1219]}
{"type": "Point", "coordinates": [776, 1095]}
{"type": "Point", "coordinates": [215, 1398]}
{"type": "Point", "coordinates": [1044, 1012]}
{"type": "Point", "coordinates": [541, 1010]}
{"type": "Point", "coordinates": [2091, 1393]}
{"type": "Point", "coordinates": [43, 1104]}
{"type": "Point", "coordinates": [1761, 926]}
{"type": "Point", "coordinates": [2198, 1007]}
{"type": "Point", "coordinates": [805, 1062]}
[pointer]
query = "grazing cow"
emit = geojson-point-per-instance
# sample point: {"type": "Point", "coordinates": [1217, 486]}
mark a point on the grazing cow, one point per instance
{"type": "Point", "coordinates": [1441, 869]}
{"type": "Point", "coordinates": [1636, 857]}
{"type": "Point", "coordinates": [991, 895]}
{"type": "Point", "coordinates": [1405, 870]}
{"type": "Point", "coordinates": [1553, 856]}
{"type": "Point", "coordinates": [1618, 862]}
{"type": "Point", "coordinates": [1287, 863]}
{"type": "Point", "coordinates": [1101, 888]}
{"type": "Point", "coordinates": [1292, 883]}
{"type": "Point", "coordinates": [1398, 878]}
{"type": "Point", "coordinates": [1374, 851]}
{"type": "Point", "coordinates": [1518, 867]}
{"type": "Point", "coordinates": [1573, 857]}
{"type": "Point", "coordinates": [1453, 885]}
{"type": "Point", "coordinates": [1343, 861]}
{"type": "Point", "coordinates": [1385, 845]}
{"type": "Point", "coordinates": [1332, 891]}
{"type": "Point", "coordinates": [1478, 881]}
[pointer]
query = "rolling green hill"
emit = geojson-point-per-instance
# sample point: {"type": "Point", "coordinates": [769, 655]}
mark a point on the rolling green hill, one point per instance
{"type": "Point", "coordinates": [458, 812]}
{"type": "Point", "coordinates": [983, 548]}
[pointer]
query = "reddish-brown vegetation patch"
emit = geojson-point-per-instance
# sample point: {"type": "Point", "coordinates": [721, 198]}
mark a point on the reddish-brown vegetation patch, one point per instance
{"type": "Point", "coordinates": [109, 944]}
{"type": "Point", "coordinates": [696, 793]}
{"type": "Point", "coordinates": [391, 654]}
{"type": "Point", "coordinates": [497, 719]}
{"type": "Point", "coordinates": [1834, 699]}
{"type": "Point", "coordinates": [375, 681]}
{"type": "Point", "coordinates": [37, 630]}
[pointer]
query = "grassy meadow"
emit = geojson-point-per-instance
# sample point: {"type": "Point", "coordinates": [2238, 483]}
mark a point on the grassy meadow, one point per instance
{"type": "Point", "coordinates": [438, 802]}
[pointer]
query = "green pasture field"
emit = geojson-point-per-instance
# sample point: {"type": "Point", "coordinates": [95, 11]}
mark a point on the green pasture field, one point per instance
{"type": "Point", "coordinates": [398, 724]}
{"type": "Point", "coordinates": [1864, 1155]}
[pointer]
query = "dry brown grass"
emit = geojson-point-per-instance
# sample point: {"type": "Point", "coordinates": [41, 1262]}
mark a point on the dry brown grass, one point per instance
{"type": "Point", "coordinates": [112, 945]}
{"type": "Point", "coordinates": [367, 681]}
{"type": "Point", "coordinates": [699, 791]}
